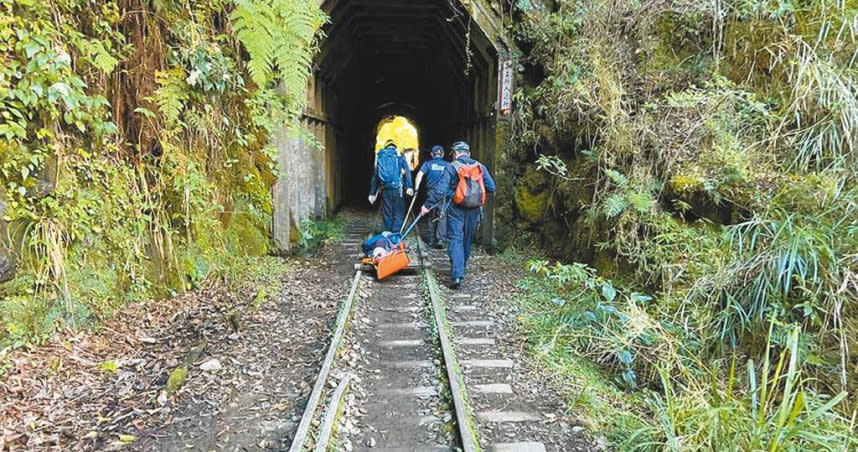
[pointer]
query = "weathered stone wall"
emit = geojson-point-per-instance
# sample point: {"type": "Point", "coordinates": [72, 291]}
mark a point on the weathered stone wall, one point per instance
{"type": "Point", "coordinates": [282, 225]}
{"type": "Point", "coordinates": [505, 179]}
{"type": "Point", "coordinates": [304, 178]}
{"type": "Point", "coordinates": [300, 190]}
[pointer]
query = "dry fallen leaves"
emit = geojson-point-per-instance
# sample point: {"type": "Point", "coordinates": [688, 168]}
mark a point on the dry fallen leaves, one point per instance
{"type": "Point", "coordinates": [102, 390]}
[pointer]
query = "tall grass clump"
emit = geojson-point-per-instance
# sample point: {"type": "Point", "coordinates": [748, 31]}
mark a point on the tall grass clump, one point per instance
{"type": "Point", "coordinates": [688, 399]}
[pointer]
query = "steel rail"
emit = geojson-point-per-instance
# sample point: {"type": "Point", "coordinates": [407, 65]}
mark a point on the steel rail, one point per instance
{"type": "Point", "coordinates": [464, 417]}
{"type": "Point", "coordinates": [316, 395]}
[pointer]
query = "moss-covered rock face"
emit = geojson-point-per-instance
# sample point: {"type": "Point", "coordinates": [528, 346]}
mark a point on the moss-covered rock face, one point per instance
{"type": "Point", "coordinates": [531, 196]}
{"type": "Point", "coordinates": [531, 206]}
{"type": "Point", "coordinates": [704, 154]}
{"type": "Point", "coordinates": [684, 184]}
{"type": "Point", "coordinates": [247, 230]}
{"type": "Point", "coordinates": [505, 175]}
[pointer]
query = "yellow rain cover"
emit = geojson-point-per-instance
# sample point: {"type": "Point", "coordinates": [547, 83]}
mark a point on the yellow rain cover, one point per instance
{"type": "Point", "coordinates": [404, 134]}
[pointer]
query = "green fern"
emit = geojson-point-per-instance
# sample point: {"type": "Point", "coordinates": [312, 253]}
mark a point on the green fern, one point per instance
{"type": "Point", "coordinates": [278, 35]}
{"type": "Point", "coordinates": [614, 205]}
{"type": "Point", "coordinates": [102, 59]}
{"type": "Point", "coordinates": [617, 177]}
{"type": "Point", "coordinates": [641, 200]}
{"type": "Point", "coordinates": [171, 95]}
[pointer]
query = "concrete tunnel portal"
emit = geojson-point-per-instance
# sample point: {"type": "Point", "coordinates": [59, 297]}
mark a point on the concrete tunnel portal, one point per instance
{"type": "Point", "coordinates": [434, 62]}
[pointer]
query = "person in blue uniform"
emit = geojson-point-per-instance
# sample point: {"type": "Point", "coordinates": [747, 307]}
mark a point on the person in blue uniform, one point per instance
{"type": "Point", "coordinates": [461, 221]}
{"type": "Point", "coordinates": [433, 170]}
{"type": "Point", "coordinates": [390, 177]}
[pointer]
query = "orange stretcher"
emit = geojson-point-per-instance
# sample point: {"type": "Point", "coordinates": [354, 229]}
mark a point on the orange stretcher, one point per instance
{"type": "Point", "coordinates": [394, 261]}
{"type": "Point", "coordinates": [389, 264]}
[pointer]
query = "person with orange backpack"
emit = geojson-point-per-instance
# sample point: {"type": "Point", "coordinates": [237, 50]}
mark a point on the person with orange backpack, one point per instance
{"type": "Point", "coordinates": [468, 183]}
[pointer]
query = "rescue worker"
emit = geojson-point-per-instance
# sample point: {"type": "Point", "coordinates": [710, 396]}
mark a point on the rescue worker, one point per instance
{"type": "Point", "coordinates": [434, 170]}
{"type": "Point", "coordinates": [390, 176]}
{"type": "Point", "coordinates": [463, 214]}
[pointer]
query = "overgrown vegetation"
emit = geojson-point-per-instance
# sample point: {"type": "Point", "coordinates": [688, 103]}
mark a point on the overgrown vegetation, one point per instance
{"type": "Point", "coordinates": [318, 233]}
{"type": "Point", "coordinates": [702, 153]}
{"type": "Point", "coordinates": [655, 391]}
{"type": "Point", "coordinates": [134, 158]}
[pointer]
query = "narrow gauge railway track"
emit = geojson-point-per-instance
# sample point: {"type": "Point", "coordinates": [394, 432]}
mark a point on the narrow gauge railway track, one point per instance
{"type": "Point", "coordinates": [415, 398]}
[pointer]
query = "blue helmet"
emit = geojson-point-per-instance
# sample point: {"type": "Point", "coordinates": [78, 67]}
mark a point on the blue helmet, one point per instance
{"type": "Point", "coordinates": [461, 147]}
{"type": "Point", "coordinates": [437, 150]}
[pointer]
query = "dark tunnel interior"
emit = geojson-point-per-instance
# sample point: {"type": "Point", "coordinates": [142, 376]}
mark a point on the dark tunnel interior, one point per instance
{"type": "Point", "coordinates": [426, 60]}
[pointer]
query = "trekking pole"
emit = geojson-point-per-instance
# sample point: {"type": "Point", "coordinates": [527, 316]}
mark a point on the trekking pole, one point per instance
{"type": "Point", "coordinates": [413, 198]}
{"type": "Point", "coordinates": [407, 214]}
{"type": "Point", "coordinates": [414, 223]}
{"type": "Point", "coordinates": [446, 204]}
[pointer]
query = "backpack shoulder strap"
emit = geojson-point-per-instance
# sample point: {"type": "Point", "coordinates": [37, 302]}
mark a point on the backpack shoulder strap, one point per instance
{"type": "Point", "coordinates": [458, 165]}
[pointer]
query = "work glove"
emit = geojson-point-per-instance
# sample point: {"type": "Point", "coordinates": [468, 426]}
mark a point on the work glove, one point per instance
{"type": "Point", "coordinates": [424, 210]}
{"type": "Point", "coordinates": [409, 192]}
{"type": "Point", "coordinates": [371, 199]}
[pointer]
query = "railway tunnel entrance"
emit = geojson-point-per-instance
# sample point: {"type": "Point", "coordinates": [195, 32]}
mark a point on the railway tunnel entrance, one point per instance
{"type": "Point", "coordinates": [434, 62]}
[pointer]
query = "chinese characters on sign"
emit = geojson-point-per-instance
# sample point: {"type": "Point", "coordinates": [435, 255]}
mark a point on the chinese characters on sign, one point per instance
{"type": "Point", "coordinates": [505, 88]}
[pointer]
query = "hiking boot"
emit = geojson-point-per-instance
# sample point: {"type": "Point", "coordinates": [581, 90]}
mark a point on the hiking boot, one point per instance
{"type": "Point", "coordinates": [438, 246]}
{"type": "Point", "coordinates": [456, 284]}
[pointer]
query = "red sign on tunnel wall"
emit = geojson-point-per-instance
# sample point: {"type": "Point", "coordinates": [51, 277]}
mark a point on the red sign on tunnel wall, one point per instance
{"type": "Point", "coordinates": [505, 80]}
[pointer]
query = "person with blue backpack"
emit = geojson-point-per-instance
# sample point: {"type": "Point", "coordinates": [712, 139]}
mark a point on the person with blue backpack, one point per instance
{"type": "Point", "coordinates": [391, 175]}
{"type": "Point", "coordinates": [434, 170]}
{"type": "Point", "coordinates": [467, 182]}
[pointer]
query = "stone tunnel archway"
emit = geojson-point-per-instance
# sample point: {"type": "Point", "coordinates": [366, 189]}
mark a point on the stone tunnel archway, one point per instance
{"type": "Point", "coordinates": [434, 61]}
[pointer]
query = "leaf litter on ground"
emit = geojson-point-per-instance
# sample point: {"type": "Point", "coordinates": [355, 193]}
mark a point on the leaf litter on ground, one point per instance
{"type": "Point", "coordinates": [104, 389]}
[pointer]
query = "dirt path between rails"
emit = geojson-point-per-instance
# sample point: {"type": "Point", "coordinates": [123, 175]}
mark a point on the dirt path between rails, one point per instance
{"type": "Point", "coordinates": [105, 390]}
{"type": "Point", "coordinates": [398, 400]}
